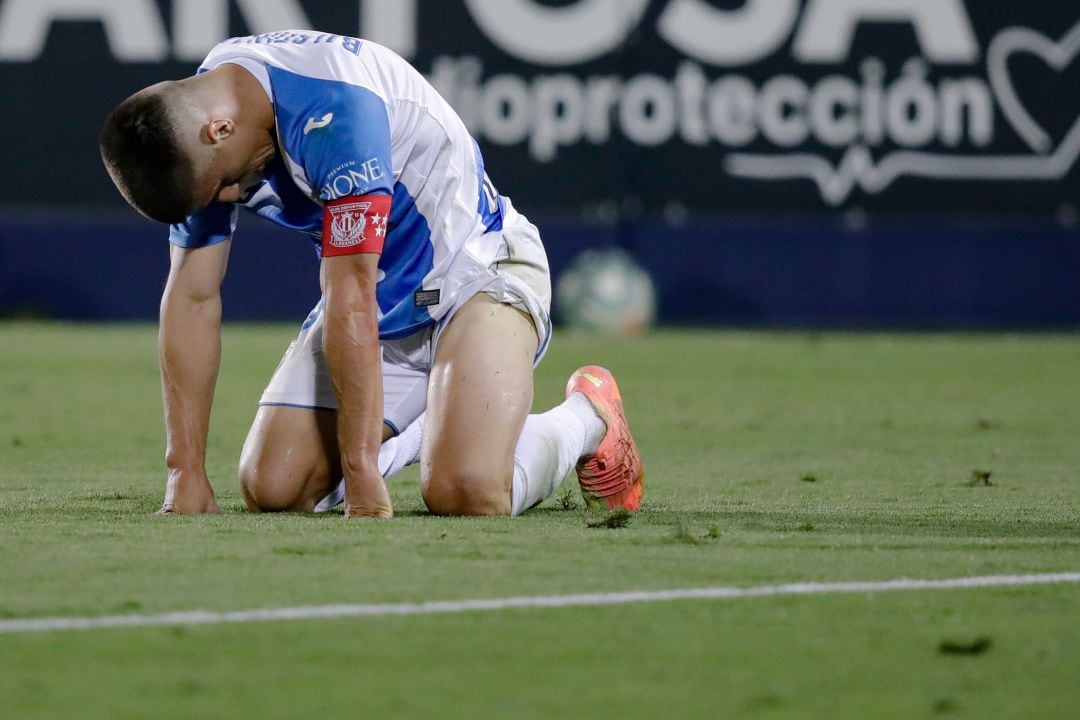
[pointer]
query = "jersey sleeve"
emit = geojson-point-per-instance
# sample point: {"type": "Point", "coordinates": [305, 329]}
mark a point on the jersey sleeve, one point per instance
{"type": "Point", "coordinates": [346, 156]}
{"type": "Point", "coordinates": [211, 225]}
{"type": "Point", "coordinates": [346, 149]}
{"type": "Point", "coordinates": [339, 132]}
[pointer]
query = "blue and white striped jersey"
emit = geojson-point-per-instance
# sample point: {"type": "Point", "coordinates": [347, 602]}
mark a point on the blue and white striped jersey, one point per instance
{"type": "Point", "coordinates": [355, 119]}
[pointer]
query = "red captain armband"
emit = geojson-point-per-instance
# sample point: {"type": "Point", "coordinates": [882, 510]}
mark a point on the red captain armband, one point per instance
{"type": "Point", "coordinates": [354, 225]}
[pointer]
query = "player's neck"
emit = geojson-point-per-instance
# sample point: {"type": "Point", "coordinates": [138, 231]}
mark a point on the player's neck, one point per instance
{"type": "Point", "coordinates": [245, 95]}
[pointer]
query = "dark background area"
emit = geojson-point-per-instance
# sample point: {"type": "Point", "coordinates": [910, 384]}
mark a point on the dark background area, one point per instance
{"type": "Point", "coordinates": [975, 252]}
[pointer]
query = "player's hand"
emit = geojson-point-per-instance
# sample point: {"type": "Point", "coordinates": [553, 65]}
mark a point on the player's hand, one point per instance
{"type": "Point", "coordinates": [188, 493]}
{"type": "Point", "coordinates": [366, 496]}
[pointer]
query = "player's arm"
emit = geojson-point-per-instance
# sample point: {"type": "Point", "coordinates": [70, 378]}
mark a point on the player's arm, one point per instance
{"type": "Point", "coordinates": [346, 155]}
{"type": "Point", "coordinates": [351, 346]}
{"type": "Point", "coordinates": [189, 350]}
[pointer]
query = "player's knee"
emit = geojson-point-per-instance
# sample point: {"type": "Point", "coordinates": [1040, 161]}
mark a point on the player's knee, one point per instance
{"type": "Point", "coordinates": [266, 490]}
{"type": "Point", "coordinates": [466, 492]}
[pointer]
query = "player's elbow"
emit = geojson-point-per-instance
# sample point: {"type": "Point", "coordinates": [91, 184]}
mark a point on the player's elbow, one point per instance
{"type": "Point", "coordinates": [185, 307]}
{"type": "Point", "coordinates": [187, 292]}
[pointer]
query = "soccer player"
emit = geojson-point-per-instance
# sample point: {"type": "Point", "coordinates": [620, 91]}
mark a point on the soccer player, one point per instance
{"type": "Point", "coordinates": [435, 290]}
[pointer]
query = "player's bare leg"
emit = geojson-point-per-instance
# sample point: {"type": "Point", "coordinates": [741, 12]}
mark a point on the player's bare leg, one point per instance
{"type": "Point", "coordinates": [291, 459]}
{"type": "Point", "coordinates": [480, 392]}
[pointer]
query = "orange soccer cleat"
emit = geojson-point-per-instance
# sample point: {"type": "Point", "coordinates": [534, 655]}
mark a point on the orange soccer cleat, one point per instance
{"type": "Point", "coordinates": [613, 477]}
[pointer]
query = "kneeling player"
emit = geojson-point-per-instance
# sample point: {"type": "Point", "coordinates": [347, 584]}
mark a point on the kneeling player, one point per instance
{"type": "Point", "coordinates": [434, 287]}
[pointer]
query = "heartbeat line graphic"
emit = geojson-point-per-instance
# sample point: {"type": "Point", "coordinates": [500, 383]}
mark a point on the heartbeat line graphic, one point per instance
{"type": "Point", "coordinates": [857, 168]}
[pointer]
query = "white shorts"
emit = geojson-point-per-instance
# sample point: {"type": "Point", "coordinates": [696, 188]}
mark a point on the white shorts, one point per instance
{"type": "Point", "coordinates": [519, 277]}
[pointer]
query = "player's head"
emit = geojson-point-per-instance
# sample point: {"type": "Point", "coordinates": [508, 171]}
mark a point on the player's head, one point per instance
{"type": "Point", "coordinates": [142, 153]}
{"type": "Point", "coordinates": [178, 146]}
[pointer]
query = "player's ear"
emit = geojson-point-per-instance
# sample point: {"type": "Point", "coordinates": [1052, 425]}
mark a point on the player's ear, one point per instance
{"type": "Point", "coordinates": [219, 129]}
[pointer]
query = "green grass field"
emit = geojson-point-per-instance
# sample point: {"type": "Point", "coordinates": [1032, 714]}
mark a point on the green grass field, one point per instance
{"type": "Point", "coordinates": [771, 458]}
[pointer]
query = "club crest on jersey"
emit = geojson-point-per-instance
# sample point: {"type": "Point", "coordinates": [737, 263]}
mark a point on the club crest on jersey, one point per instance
{"type": "Point", "coordinates": [348, 223]}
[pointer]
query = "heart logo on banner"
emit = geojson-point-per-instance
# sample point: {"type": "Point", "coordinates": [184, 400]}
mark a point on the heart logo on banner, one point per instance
{"type": "Point", "coordinates": [1058, 55]}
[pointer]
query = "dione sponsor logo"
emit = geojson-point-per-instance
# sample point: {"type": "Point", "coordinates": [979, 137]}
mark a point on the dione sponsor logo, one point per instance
{"type": "Point", "coordinates": [351, 178]}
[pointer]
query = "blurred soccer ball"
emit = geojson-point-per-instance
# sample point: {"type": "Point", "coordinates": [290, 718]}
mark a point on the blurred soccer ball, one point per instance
{"type": "Point", "coordinates": [606, 291]}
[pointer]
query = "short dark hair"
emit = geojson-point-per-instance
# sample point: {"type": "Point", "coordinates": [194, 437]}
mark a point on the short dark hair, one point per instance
{"type": "Point", "coordinates": [140, 149]}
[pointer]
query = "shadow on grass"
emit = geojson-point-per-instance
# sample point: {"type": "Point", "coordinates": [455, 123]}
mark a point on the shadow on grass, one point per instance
{"type": "Point", "coordinates": [874, 522]}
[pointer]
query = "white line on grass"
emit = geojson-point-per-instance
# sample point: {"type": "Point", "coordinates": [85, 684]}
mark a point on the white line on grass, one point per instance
{"type": "Point", "coordinates": [203, 617]}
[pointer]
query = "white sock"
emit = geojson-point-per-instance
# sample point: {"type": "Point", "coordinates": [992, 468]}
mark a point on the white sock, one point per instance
{"type": "Point", "coordinates": [550, 445]}
{"type": "Point", "coordinates": [394, 454]}
{"type": "Point", "coordinates": [403, 450]}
